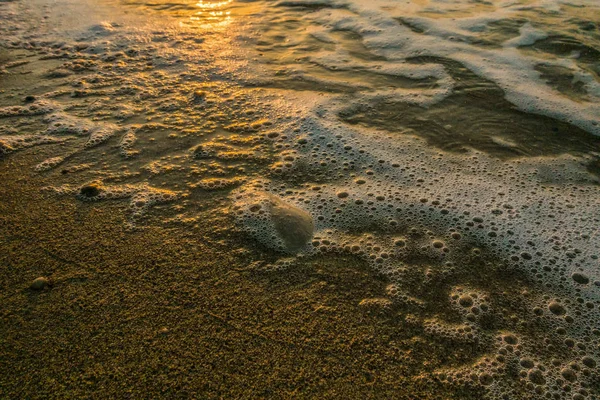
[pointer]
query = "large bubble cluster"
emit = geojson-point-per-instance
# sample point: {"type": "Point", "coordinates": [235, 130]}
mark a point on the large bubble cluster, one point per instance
{"type": "Point", "coordinates": [445, 229]}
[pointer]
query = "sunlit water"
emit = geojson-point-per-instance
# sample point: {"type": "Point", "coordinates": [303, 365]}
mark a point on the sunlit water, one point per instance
{"type": "Point", "coordinates": [451, 145]}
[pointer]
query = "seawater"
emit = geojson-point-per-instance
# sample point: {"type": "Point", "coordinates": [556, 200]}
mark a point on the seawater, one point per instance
{"type": "Point", "coordinates": [450, 145]}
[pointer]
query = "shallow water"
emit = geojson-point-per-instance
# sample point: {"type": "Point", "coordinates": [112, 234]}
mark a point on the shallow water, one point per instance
{"type": "Point", "coordinates": [451, 146]}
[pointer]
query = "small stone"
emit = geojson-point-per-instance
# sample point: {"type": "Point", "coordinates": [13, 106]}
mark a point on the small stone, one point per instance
{"type": "Point", "coordinates": [91, 190]}
{"type": "Point", "coordinates": [39, 283]}
{"type": "Point", "coordinates": [29, 99]}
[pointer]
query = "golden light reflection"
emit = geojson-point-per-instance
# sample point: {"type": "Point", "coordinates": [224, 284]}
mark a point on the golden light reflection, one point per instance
{"type": "Point", "coordinates": [212, 14]}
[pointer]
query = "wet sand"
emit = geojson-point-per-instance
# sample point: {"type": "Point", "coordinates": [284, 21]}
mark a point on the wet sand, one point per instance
{"type": "Point", "coordinates": [223, 208]}
{"type": "Point", "coordinates": [171, 313]}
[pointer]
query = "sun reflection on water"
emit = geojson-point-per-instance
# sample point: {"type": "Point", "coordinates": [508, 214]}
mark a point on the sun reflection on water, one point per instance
{"type": "Point", "coordinates": [212, 14]}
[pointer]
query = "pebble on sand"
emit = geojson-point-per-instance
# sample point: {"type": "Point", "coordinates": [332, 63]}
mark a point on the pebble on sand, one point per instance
{"type": "Point", "coordinates": [91, 190]}
{"type": "Point", "coordinates": [39, 283]}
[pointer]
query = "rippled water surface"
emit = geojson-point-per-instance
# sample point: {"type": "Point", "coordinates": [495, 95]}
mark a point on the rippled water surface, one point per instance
{"type": "Point", "coordinates": [452, 147]}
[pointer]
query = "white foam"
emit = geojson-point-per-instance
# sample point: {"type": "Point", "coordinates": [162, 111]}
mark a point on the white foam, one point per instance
{"type": "Point", "coordinates": [508, 66]}
{"type": "Point", "coordinates": [390, 202]}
